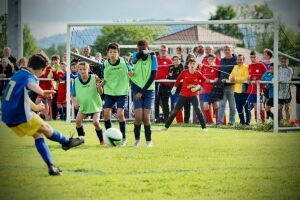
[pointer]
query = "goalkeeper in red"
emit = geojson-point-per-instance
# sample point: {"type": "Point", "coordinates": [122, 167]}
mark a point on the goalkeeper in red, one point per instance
{"type": "Point", "coordinates": [192, 81]}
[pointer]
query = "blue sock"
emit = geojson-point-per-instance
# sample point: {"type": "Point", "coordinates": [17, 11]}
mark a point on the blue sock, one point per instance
{"type": "Point", "coordinates": [147, 132]}
{"type": "Point", "coordinates": [65, 113]}
{"type": "Point", "coordinates": [107, 124]}
{"type": "Point", "coordinates": [137, 130]}
{"type": "Point", "coordinates": [122, 126]}
{"type": "Point", "coordinates": [58, 137]}
{"type": "Point", "coordinates": [44, 151]}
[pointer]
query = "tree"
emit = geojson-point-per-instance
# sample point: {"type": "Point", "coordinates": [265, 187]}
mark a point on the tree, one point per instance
{"type": "Point", "coordinates": [53, 49]}
{"type": "Point", "coordinates": [29, 43]}
{"type": "Point", "coordinates": [226, 13]}
{"type": "Point", "coordinates": [3, 32]}
{"type": "Point", "coordinates": [125, 35]}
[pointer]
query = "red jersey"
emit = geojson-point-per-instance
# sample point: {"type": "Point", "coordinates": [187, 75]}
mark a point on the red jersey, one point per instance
{"type": "Point", "coordinates": [62, 88]}
{"type": "Point", "coordinates": [217, 61]}
{"type": "Point", "coordinates": [164, 64]}
{"type": "Point", "coordinates": [189, 79]}
{"type": "Point", "coordinates": [47, 73]}
{"type": "Point", "coordinates": [210, 72]}
{"type": "Point", "coordinates": [256, 70]}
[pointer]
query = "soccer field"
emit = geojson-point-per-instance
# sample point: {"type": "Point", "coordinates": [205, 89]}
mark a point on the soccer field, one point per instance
{"type": "Point", "coordinates": [184, 163]}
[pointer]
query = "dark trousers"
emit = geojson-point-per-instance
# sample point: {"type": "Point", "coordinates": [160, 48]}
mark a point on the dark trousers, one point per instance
{"type": "Point", "coordinates": [162, 93]}
{"type": "Point", "coordinates": [242, 107]}
{"type": "Point", "coordinates": [54, 106]}
{"type": "Point", "coordinates": [187, 112]}
{"type": "Point", "coordinates": [180, 103]}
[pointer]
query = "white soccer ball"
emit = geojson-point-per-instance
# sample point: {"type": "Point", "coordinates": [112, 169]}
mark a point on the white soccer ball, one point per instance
{"type": "Point", "coordinates": [112, 137]}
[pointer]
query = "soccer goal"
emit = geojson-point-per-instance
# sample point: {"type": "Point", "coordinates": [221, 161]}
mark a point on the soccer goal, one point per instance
{"type": "Point", "coordinates": [181, 37]}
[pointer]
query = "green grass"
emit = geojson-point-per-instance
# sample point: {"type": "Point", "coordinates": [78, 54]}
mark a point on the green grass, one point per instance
{"type": "Point", "coordinates": [184, 163]}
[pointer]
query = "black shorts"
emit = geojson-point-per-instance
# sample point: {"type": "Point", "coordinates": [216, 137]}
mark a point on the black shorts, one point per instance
{"type": "Point", "coordinates": [284, 101]}
{"type": "Point", "coordinates": [270, 102]}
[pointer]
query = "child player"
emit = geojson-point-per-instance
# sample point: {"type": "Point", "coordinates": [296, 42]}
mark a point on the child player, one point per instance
{"type": "Point", "coordinates": [61, 91]}
{"type": "Point", "coordinates": [192, 81]}
{"type": "Point", "coordinates": [145, 67]}
{"type": "Point", "coordinates": [87, 90]}
{"type": "Point", "coordinates": [256, 70]}
{"type": "Point", "coordinates": [18, 115]}
{"type": "Point", "coordinates": [116, 84]}
{"type": "Point", "coordinates": [211, 71]}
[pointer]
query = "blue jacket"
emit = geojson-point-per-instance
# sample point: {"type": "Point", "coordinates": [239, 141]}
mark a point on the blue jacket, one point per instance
{"type": "Point", "coordinates": [226, 67]}
{"type": "Point", "coordinates": [268, 76]}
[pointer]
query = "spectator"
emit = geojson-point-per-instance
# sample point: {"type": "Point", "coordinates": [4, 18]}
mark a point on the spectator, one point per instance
{"type": "Point", "coordinates": [6, 71]}
{"type": "Point", "coordinates": [268, 76]}
{"type": "Point", "coordinates": [199, 54]}
{"type": "Point", "coordinates": [267, 56]}
{"type": "Point", "coordinates": [75, 59]}
{"type": "Point", "coordinates": [285, 73]}
{"type": "Point", "coordinates": [179, 53]}
{"type": "Point", "coordinates": [238, 75]}
{"type": "Point", "coordinates": [297, 99]}
{"type": "Point", "coordinates": [7, 54]}
{"type": "Point", "coordinates": [55, 59]}
{"type": "Point", "coordinates": [209, 50]}
{"type": "Point", "coordinates": [64, 57]}
{"type": "Point", "coordinates": [227, 64]}
{"type": "Point", "coordinates": [22, 62]}
{"type": "Point", "coordinates": [98, 57]}
{"type": "Point", "coordinates": [256, 70]}
{"type": "Point", "coordinates": [211, 72]}
{"type": "Point", "coordinates": [94, 69]}
{"type": "Point", "coordinates": [162, 90]}
{"type": "Point", "coordinates": [61, 91]}
{"type": "Point", "coordinates": [174, 72]}
{"type": "Point", "coordinates": [74, 75]}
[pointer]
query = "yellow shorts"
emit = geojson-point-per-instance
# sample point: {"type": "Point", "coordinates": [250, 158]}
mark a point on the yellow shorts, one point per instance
{"type": "Point", "coordinates": [29, 128]}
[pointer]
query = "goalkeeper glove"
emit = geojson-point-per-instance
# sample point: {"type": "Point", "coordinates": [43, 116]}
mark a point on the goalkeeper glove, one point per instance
{"type": "Point", "coordinates": [196, 88]}
{"type": "Point", "coordinates": [173, 90]}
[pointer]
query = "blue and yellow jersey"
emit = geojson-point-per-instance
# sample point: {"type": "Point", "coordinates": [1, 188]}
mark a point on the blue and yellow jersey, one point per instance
{"type": "Point", "coordinates": [15, 101]}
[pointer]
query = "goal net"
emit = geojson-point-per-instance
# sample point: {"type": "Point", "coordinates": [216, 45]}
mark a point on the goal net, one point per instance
{"type": "Point", "coordinates": [184, 38]}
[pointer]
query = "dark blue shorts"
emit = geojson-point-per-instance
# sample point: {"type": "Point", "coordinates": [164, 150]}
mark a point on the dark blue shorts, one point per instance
{"type": "Point", "coordinates": [146, 102]}
{"type": "Point", "coordinates": [205, 97]}
{"type": "Point", "coordinates": [110, 101]}
{"type": "Point", "coordinates": [252, 98]}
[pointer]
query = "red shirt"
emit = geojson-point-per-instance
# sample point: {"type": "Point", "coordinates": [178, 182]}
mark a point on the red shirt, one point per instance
{"type": "Point", "coordinates": [256, 70]}
{"type": "Point", "coordinates": [210, 72]}
{"type": "Point", "coordinates": [47, 73]}
{"type": "Point", "coordinates": [217, 61]}
{"type": "Point", "coordinates": [164, 64]}
{"type": "Point", "coordinates": [189, 79]}
{"type": "Point", "coordinates": [61, 90]}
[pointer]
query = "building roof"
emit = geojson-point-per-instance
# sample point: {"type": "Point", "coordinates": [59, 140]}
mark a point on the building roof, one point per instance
{"type": "Point", "coordinates": [197, 35]}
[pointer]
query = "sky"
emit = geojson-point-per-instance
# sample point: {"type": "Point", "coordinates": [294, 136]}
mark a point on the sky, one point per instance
{"type": "Point", "coordinates": [49, 17]}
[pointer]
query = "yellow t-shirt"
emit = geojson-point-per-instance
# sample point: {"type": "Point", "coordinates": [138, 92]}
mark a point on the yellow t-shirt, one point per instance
{"type": "Point", "coordinates": [240, 73]}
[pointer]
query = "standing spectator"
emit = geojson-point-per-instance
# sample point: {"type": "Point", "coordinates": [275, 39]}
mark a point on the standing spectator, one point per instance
{"type": "Point", "coordinates": [94, 68]}
{"type": "Point", "coordinates": [64, 57]}
{"type": "Point", "coordinates": [6, 71]}
{"type": "Point", "coordinates": [256, 70]}
{"type": "Point", "coordinates": [238, 75]}
{"type": "Point", "coordinates": [145, 67]}
{"type": "Point", "coordinates": [49, 73]}
{"type": "Point", "coordinates": [211, 72]}
{"type": "Point", "coordinates": [209, 50]}
{"type": "Point", "coordinates": [162, 90]}
{"type": "Point", "coordinates": [55, 59]}
{"type": "Point", "coordinates": [22, 62]}
{"type": "Point", "coordinates": [61, 91]}
{"type": "Point", "coordinates": [98, 57]}
{"type": "Point", "coordinates": [268, 76]}
{"type": "Point", "coordinates": [7, 54]}
{"type": "Point", "coordinates": [227, 64]}
{"type": "Point", "coordinates": [173, 74]}
{"type": "Point", "coordinates": [179, 53]}
{"type": "Point", "coordinates": [285, 73]}
{"type": "Point", "coordinates": [267, 56]}
{"type": "Point", "coordinates": [297, 99]}
{"type": "Point", "coordinates": [74, 75]}
{"type": "Point", "coordinates": [199, 53]}
{"type": "Point", "coordinates": [75, 59]}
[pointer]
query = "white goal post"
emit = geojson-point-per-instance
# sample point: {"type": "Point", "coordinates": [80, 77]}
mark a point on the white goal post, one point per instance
{"type": "Point", "coordinates": [274, 22]}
